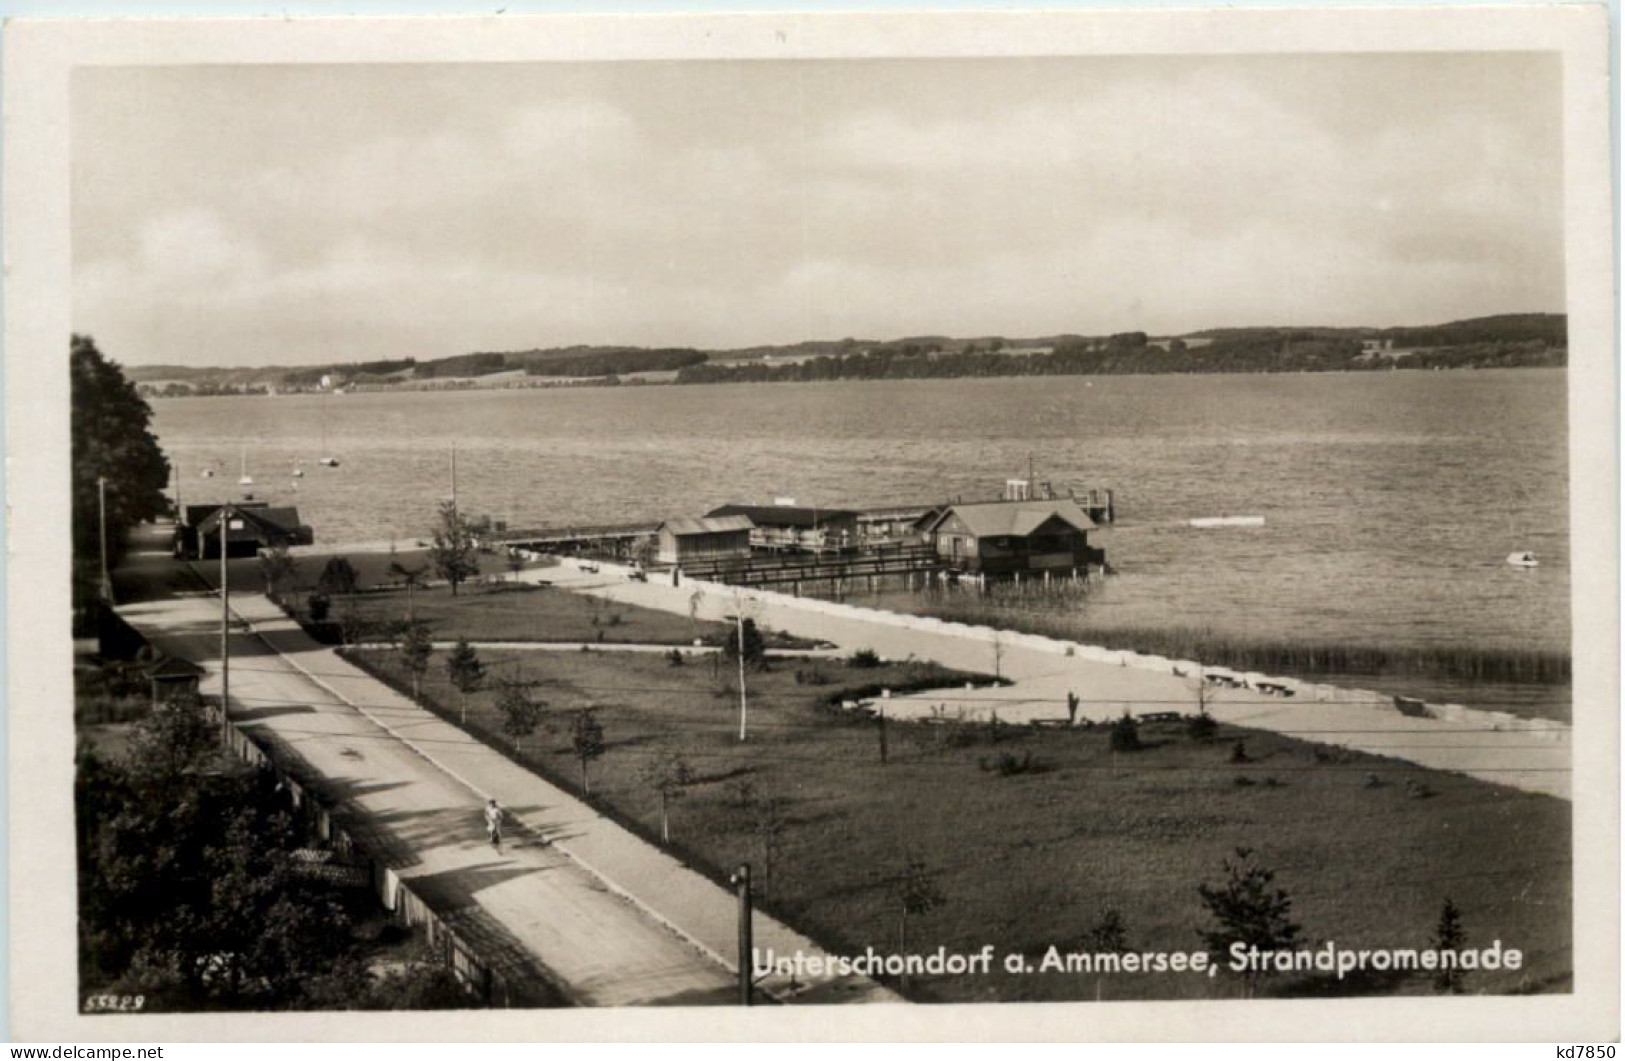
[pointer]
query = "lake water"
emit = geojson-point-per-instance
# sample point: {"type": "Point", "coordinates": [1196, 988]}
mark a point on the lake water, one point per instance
{"type": "Point", "coordinates": [1391, 500]}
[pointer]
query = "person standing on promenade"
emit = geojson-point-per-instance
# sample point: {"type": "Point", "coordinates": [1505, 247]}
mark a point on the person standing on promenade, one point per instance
{"type": "Point", "coordinates": [493, 823]}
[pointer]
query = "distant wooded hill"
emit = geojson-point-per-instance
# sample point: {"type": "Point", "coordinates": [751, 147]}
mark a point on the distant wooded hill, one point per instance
{"type": "Point", "coordinates": [1510, 340]}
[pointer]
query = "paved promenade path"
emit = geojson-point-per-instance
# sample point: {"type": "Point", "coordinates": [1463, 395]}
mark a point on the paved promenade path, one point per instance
{"type": "Point", "coordinates": [1532, 755]}
{"type": "Point", "coordinates": [572, 897]}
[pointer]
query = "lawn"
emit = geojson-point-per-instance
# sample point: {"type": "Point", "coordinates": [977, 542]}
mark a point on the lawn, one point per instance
{"type": "Point", "coordinates": [1368, 848]}
{"type": "Point", "coordinates": [525, 612]}
{"type": "Point", "coordinates": [373, 569]}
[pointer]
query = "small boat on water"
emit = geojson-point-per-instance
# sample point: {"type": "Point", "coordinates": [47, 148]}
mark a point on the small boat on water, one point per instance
{"type": "Point", "coordinates": [327, 460]}
{"type": "Point", "coordinates": [1228, 521]}
{"type": "Point", "coordinates": [208, 473]}
{"type": "Point", "coordinates": [1523, 559]}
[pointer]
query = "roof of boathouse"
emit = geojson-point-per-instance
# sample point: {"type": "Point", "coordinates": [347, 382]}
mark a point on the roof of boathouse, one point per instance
{"type": "Point", "coordinates": [784, 515]}
{"type": "Point", "coordinates": [684, 526]}
{"type": "Point", "coordinates": [988, 519]}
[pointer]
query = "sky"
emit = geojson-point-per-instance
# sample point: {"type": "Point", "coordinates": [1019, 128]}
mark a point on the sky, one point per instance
{"type": "Point", "coordinates": [253, 215]}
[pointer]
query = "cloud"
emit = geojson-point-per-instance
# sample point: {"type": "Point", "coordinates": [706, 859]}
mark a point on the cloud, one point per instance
{"type": "Point", "coordinates": [430, 212]}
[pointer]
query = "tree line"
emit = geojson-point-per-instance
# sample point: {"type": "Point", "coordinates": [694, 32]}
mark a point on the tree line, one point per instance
{"type": "Point", "coordinates": [1133, 354]}
{"type": "Point", "coordinates": [118, 469]}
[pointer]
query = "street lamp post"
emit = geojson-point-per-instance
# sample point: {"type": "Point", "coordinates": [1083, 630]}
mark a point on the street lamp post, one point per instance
{"type": "Point", "coordinates": [101, 516]}
{"type": "Point", "coordinates": [225, 624]}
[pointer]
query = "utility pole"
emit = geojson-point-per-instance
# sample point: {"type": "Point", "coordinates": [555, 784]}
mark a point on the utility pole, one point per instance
{"type": "Point", "coordinates": [739, 618]}
{"type": "Point", "coordinates": [454, 478]}
{"type": "Point", "coordinates": [225, 624]}
{"type": "Point", "coordinates": [881, 720]}
{"type": "Point", "coordinates": [747, 956]}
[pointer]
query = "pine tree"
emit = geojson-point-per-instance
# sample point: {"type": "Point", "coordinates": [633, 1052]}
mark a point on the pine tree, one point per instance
{"type": "Point", "coordinates": [520, 713]}
{"type": "Point", "coordinates": [1449, 936]}
{"type": "Point", "coordinates": [453, 553]}
{"type": "Point", "coordinates": [1249, 910]}
{"type": "Point", "coordinates": [466, 673]}
{"type": "Point", "coordinates": [587, 738]}
{"type": "Point", "coordinates": [670, 777]}
{"type": "Point", "coordinates": [917, 892]}
{"type": "Point", "coordinates": [416, 648]}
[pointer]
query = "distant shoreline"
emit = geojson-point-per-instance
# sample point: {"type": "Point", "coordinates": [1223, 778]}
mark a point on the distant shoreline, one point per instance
{"type": "Point", "coordinates": [463, 387]}
{"type": "Point", "coordinates": [1517, 340]}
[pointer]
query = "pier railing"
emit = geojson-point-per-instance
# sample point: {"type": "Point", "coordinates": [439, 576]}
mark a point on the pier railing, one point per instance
{"type": "Point", "coordinates": [789, 568]}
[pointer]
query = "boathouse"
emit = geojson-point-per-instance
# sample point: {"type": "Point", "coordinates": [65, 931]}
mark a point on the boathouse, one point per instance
{"type": "Point", "coordinates": [895, 522]}
{"type": "Point", "coordinates": [1013, 538]}
{"type": "Point", "coordinates": [250, 527]}
{"type": "Point", "coordinates": [687, 540]}
{"type": "Point", "coordinates": [794, 526]}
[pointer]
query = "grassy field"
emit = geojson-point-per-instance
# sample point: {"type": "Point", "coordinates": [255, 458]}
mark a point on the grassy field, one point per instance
{"type": "Point", "coordinates": [508, 611]}
{"type": "Point", "coordinates": [373, 568]}
{"type": "Point", "coordinates": [1368, 848]}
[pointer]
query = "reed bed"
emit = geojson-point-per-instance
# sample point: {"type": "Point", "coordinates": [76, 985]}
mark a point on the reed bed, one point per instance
{"type": "Point", "coordinates": [1304, 656]}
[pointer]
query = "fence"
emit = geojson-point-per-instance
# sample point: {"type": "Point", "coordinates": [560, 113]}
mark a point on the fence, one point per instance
{"type": "Point", "coordinates": [394, 894]}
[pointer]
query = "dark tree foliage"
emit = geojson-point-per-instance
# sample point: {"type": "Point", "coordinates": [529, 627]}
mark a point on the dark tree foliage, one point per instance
{"type": "Point", "coordinates": [311, 377]}
{"type": "Point", "coordinates": [189, 890]}
{"type": "Point", "coordinates": [461, 365]}
{"type": "Point", "coordinates": [111, 432]}
{"type": "Point", "coordinates": [453, 552]}
{"type": "Point", "coordinates": [611, 362]}
{"type": "Point", "coordinates": [1449, 935]}
{"type": "Point", "coordinates": [754, 649]}
{"type": "Point", "coordinates": [1125, 735]}
{"type": "Point", "coordinates": [1494, 342]}
{"type": "Point", "coordinates": [338, 577]}
{"type": "Point", "coordinates": [916, 891]}
{"type": "Point", "coordinates": [587, 740]}
{"type": "Point", "coordinates": [416, 648]}
{"type": "Point", "coordinates": [463, 667]}
{"type": "Point", "coordinates": [1108, 936]}
{"type": "Point", "coordinates": [1248, 908]}
{"type": "Point", "coordinates": [465, 671]}
{"type": "Point", "coordinates": [520, 712]}
{"type": "Point", "coordinates": [1549, 329]}
{"type": "Point", "coordinates": [277, 566]}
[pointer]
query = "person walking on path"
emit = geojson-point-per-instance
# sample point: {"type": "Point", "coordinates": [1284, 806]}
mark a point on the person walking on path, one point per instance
{"type": "Point", "coordinates": [493, 823]}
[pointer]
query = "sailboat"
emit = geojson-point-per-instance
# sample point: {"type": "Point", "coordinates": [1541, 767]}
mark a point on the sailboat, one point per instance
{"type": "Point", "coordinates": [246, 480]}
{"type": "Point", "coordinates": [326, 460]}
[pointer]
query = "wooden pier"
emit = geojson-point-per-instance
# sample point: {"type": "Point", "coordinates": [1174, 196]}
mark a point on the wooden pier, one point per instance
{"type": "Point", "coordinates": [792, 569]}
{"type": "Point", "coordinates": [616, 539]}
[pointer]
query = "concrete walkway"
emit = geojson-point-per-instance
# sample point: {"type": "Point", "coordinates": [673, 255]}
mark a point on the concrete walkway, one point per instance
{"type": "Point", "coordinates": [688, 649]}
{"type": "Point", "coordinates": [573, 897]}
{"type": "Point", "coordinates": [1529, 754]}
